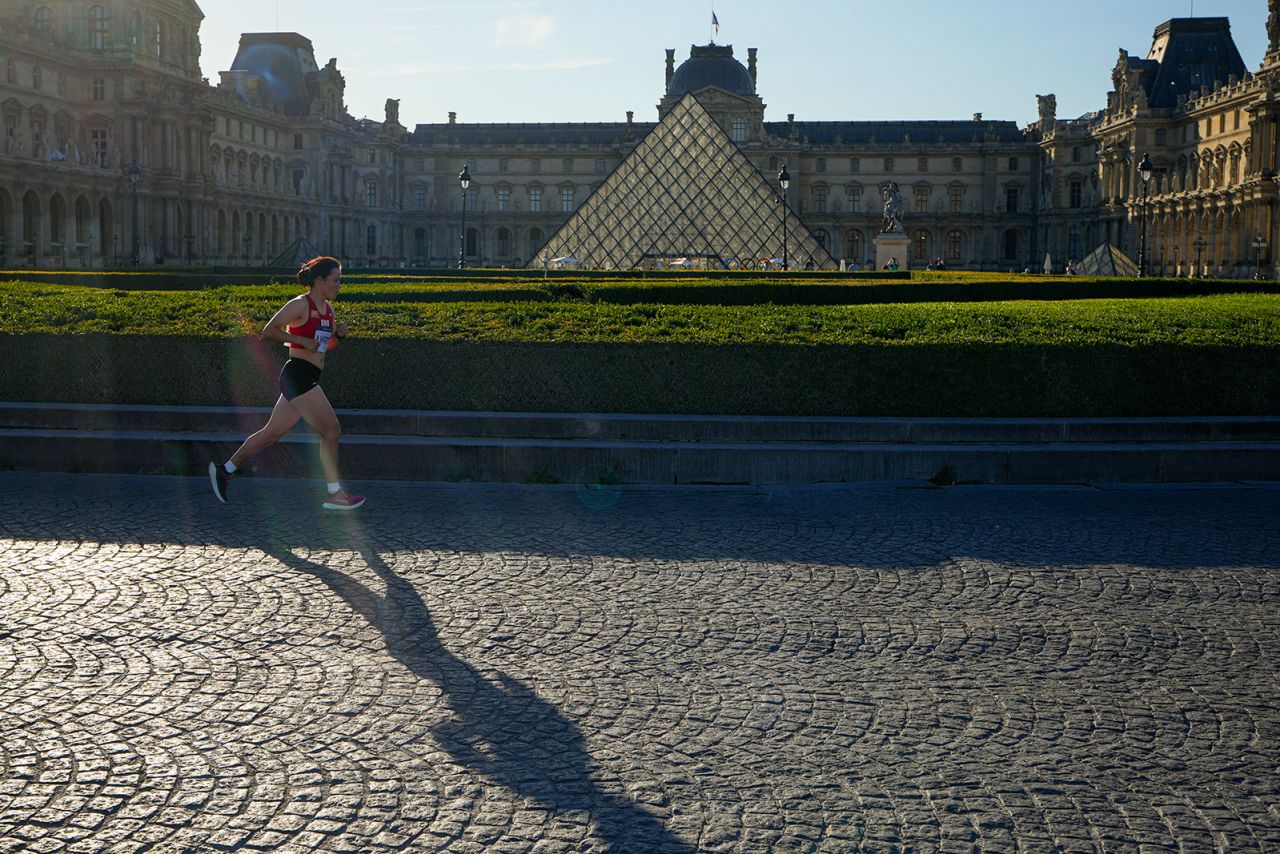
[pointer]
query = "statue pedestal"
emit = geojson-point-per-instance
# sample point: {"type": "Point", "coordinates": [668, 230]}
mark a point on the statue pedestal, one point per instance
{"type": "Point", "coordinates": [891, 245]}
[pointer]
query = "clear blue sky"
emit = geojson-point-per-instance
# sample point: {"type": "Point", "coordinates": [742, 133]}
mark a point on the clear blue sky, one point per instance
{"type": "Point", "coordinates": [592, 60]}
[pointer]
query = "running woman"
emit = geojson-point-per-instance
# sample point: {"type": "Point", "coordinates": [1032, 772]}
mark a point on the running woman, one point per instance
{"type": "Point", "coordinates": [306, 325]}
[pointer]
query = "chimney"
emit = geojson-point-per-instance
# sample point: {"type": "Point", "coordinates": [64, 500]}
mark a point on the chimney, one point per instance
{"type": "Point", "coordinates": [630, 116]}
{"type": "Point", "coordinates": [671, 65]}
{"type": "Point", "coordinates": [977, 117]}
{"type": "Point", "coordinates": [453, 117]}
{"type": "Point", "coordinates": [751, 63]}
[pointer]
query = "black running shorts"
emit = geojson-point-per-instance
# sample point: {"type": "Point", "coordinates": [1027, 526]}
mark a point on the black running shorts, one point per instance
{"type": "Point", "coordinates": [298, 377]}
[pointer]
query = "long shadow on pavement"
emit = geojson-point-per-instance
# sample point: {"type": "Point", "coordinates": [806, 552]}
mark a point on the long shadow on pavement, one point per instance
{"type": "Point", "coordinates": [501, 728]}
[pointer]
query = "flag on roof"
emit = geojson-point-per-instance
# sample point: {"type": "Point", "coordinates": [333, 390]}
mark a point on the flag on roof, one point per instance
{"type": "Point", "coordinates": [715, 22]}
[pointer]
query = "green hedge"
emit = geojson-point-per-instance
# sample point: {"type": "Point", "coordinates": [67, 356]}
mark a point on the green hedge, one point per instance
{"type": "Point", "coordinates": [1217, 355]}
{"type": "Point", "coordinates": [971, 379]}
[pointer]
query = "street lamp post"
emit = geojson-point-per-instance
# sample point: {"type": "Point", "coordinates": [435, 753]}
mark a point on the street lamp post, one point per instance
{"type": "Point", "coordinates": [784, 182]}
{"type": "Point", "coordinates": [1199, 245]}
{"type": "Point", "coordinates": [135, 172]}
{"type": "Point", "coordinates": [464, 178]}
{"type": "Point", "coordinates": [1144, 172]}
{"type": "Point", "coordinates": [1259, 246]}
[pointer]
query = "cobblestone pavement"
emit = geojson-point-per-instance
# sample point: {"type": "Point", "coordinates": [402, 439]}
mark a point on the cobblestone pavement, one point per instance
{"type": "Point", "coordinates": [478, 668]}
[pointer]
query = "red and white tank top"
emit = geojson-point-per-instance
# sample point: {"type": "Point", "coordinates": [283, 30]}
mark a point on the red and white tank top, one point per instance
{"type": "Point", "coordinates": [318, 325]}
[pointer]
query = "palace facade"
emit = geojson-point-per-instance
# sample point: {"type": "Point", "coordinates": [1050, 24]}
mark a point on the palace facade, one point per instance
{"type": "Point", "coordinates": [116, 150]}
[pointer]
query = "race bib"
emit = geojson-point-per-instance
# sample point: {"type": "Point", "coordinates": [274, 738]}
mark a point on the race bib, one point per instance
{"type": "Point", "coordinates": [322, 339]}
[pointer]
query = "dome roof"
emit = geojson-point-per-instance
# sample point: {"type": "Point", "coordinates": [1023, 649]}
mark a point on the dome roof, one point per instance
{"type": "Point", "coordinates": [711, 65]}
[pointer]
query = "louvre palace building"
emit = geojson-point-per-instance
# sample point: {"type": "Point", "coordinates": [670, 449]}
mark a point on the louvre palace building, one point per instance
{"type": "Point", "coordinates": [117, 151]}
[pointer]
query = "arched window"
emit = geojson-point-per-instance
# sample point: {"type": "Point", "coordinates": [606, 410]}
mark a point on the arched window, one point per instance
{"type": "Point", "coordinates": [473, 240]}
{"type": "Point", "coordinates": [42, 20]}
{"type": "Point", "coordinates": [738, 129]}
{"type": "Point", "coordinates": [823, 238]}
{"type": "Point", "coordinates": [420, 242]}
{"type": "Point", "coordinates": [99, 26]}
{"type": "Point", "coordinates": [955, 245]}
{"type": "Point", "coordinates": [371, 241]}
{"type": "Point", "coordinates": [920, 245]}
{"type": "Point", "coordinates": [504, 243]}
{"type": "Point", "coordinates": [1073, 243]}
{"type": "Point", "coordinates": [535, 240]}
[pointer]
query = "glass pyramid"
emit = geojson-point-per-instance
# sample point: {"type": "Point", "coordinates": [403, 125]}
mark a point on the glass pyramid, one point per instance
{"type": "Point", "coordinates": [687, 197]}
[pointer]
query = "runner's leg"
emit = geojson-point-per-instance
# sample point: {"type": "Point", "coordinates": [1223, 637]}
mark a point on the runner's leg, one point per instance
{"type": "Point", "coordinates": [319, 415]}
{"type": "Point", "coordinates": [282, 419]}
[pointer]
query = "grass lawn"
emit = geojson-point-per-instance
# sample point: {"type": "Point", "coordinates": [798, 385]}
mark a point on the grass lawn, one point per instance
{"type": "Point", "coordinates": [400, 311]}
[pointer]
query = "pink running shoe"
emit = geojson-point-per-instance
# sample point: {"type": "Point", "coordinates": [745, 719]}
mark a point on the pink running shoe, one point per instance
{"type": "Point", "coordinates": [343, 500]}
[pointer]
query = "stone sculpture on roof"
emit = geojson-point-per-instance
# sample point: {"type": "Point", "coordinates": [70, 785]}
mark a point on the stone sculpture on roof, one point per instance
{"type": "Point", "coordinates": [1273, 26]}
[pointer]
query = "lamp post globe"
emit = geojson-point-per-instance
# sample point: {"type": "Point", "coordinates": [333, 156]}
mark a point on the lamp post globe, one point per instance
{"type": "Point", "coordinates": [464, 179]}
{"type": "Point", "coordinates": [135, 172]}
{"type": "Point", "coordinates": [1145, 170]}
{"type": "Point", "coordinates": [784, 183]}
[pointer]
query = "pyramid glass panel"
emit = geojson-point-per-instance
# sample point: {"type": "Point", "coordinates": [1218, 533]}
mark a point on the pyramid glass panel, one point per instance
{"type": "Point", "coordinates": [685, 197]}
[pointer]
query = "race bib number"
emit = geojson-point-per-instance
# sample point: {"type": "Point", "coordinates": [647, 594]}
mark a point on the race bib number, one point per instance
{"type": "Point", "coordinates": [322, 339]}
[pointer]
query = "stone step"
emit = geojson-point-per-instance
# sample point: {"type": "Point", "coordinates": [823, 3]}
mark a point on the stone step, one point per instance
{"type": "Point", "coordinates": [612, 462]}
{"type": "Point", "coordinates": [659, 428]}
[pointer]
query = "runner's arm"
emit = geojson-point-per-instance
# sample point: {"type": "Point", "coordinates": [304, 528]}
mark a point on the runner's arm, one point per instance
{"type": "Point", "coordinates": [291, 313]}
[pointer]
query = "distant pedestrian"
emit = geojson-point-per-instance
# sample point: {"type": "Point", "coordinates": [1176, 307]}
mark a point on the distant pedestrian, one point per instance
{"type": "Point", "coordinates": [307, 326]}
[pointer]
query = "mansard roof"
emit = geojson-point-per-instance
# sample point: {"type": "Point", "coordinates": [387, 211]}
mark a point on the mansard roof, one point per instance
{"type": "Point", "coordinates": [816, 133]}
{"type": "Point", "coordinates": [711, 65]}
{"type": "Point", "coordinates": [1188, 53]}
{"type": "Point", "coordinates": [541, 133]}
{"type": "Point", "coordinates": [283, 61]}
{"type": "Point", "coordinates": [898, 133]}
